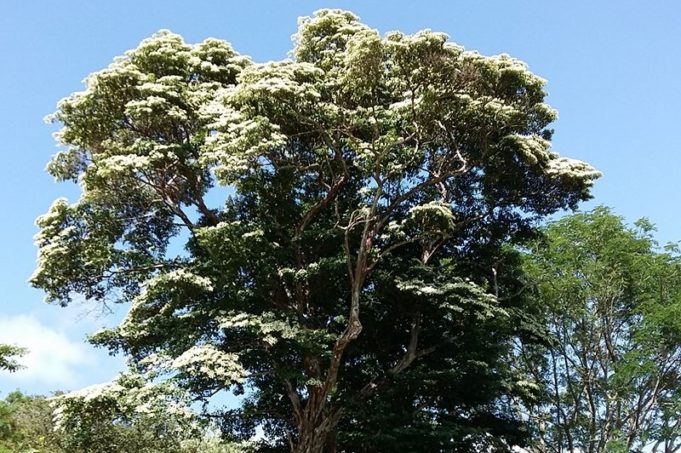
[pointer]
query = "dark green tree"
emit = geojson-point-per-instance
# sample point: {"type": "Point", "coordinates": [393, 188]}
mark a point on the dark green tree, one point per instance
{"type": "Point", "coordinates": [353, 264]}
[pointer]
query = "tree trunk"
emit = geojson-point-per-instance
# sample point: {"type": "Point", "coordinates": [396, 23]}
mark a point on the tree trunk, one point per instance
{"type": "Point", "coordinates": [317, 437]}
{"type": "Point", "coordinates": [311, 442]}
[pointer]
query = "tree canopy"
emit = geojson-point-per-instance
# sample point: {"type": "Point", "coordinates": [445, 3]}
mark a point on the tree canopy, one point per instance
{"type": "Point", "coordinates": [323, 233]}
{"type": "Point", "coordinates": [610, 300]}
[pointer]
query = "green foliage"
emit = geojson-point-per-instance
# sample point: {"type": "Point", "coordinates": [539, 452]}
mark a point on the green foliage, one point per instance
{"type": "Point", "coordinates": [28, 425]}
{"type": "Point", "coordinates": [611, 300]}
{"type": "Point", "coordinates": [8, 357]}
{"type": "Point", "coordinates": [357, 262]}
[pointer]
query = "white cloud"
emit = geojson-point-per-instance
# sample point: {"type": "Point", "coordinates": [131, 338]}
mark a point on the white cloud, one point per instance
{"type": "Point", "coordinates": [53, 358]}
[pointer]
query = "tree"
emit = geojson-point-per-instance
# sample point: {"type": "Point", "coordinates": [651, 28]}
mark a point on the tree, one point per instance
{"type": "Point", "coordinates": [360, 173]}
{"type": "Point", "coordinates": [8, 357]}
{"type": "Point", "coordinates": [611, 304]}
{"type": "Point", "coordinates": [124, 418]}
{"type": "Point", "coordinates": [27, 424]}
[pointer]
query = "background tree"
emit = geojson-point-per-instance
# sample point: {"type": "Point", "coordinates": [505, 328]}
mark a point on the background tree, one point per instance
{"type": "Point", "coordinates": [27, 424]}
{"type": "Point", "coordinates": [370, 176]}
{"type": "Point", "coordinates": [611, 301]}
{"type": "Point", "coordinates": [9, 355]}
{"type": "Point", "coordinates": [123, 418]}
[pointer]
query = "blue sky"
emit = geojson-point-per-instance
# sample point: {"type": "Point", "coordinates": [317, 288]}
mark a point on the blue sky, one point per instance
{"type": "Point", "coordinates": [613, 69]}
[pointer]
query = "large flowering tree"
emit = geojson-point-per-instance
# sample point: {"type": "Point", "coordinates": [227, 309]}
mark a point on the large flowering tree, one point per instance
{"type": "Point", "coordinates": [355, 262]}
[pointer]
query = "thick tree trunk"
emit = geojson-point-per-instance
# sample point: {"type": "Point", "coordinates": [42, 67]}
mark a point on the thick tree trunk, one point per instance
{"type": "Point", "coordinates": [317, 436]}
{"type": "Point", "coordinates": [311, 442]}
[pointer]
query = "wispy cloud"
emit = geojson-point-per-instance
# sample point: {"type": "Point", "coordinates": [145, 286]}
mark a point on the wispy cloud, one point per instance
{"type": "Point", "coordinates": [53, 359]}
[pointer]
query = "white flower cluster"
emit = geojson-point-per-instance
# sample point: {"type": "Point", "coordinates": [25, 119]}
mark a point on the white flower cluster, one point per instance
{"type": "Point", "coordinates": [152, 299]}
{"type": "Point", "coordinates": [271, 329]}
{"type": "Point", "coordinates": [435, 214]}
{"type": "Point", "coordinates": [536, 151]}
{"type": "Point", "coordinates": [454, 297]}
{"type": "Point", "coordinates": [532, 148]}
{"type": "Point", "coordinates": [127, 394]}
{"type": "Point", "coordinates": [572, 168]}
{"type": "Point", "coordinates": [209, 362]}
{"type": "Point", "coordinates": [53, 238]}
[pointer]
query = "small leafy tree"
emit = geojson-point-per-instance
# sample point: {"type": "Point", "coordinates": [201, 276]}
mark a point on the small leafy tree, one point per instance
{"type": "Point", "coordinates": [9, 355]}
{"type": "Point", "coordinates": [611, 370]}
{"type": "Point", "coordinates": [26, 425]}
{"type": "Point", "coordinates": [363, 174]}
